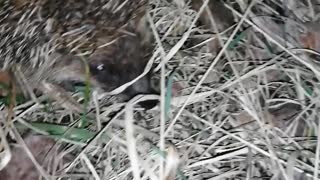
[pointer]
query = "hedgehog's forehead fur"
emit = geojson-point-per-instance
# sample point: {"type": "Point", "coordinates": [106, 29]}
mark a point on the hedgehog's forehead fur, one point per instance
{"type": "Point", "coordinates": [104, 31]}
{"type": "Point", "coordinates": [32, 29]}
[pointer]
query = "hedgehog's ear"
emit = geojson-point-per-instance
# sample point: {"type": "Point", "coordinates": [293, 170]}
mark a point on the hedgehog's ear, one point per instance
{"type": "Point", "coordinates": [139, 23]}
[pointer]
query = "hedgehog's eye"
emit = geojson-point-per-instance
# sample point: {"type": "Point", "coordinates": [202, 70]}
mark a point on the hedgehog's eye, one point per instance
{"type": "Point", "coordinates": [100, 67]}
{"type": "Point", "coordinates": [97, 68]}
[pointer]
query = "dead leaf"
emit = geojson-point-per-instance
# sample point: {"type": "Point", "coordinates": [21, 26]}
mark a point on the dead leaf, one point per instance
{"type": "Point", "coordinates": [311, 39]}
{"type": "Point", "coordinates": [177, 88]}
{"type": "Point", "coordinates": [276, 118]}
{"type": "Point", "coordinates": [222, 16]}
{"type": "Point", "coordinates": [8, 89]}
{"type": "Point", "coordinates": [5, 81]}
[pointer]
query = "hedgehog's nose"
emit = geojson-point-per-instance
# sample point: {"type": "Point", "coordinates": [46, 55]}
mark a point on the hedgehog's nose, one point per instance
{"type": "Point", "coordinates": [142, 87]}
{"type": "Point", "coordinates": [149, 104]}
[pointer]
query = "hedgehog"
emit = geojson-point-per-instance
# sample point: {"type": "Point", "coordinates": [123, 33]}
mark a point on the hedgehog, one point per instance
{"type": "Point", "coordinates": [55, 40]}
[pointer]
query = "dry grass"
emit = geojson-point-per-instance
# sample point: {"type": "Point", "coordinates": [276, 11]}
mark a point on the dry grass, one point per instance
{"type": "Point", "coordinates": [248, 110]}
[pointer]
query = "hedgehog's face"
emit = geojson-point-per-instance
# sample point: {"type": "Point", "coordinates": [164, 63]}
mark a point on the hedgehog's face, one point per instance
{"type": "Point", "coordinates": [110, 76]}
{"type": "Point", "coordinates": [118, 64]}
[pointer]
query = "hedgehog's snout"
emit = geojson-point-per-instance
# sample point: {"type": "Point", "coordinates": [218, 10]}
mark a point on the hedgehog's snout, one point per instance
{"type": "Point", "coordinates": [142, 86]}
